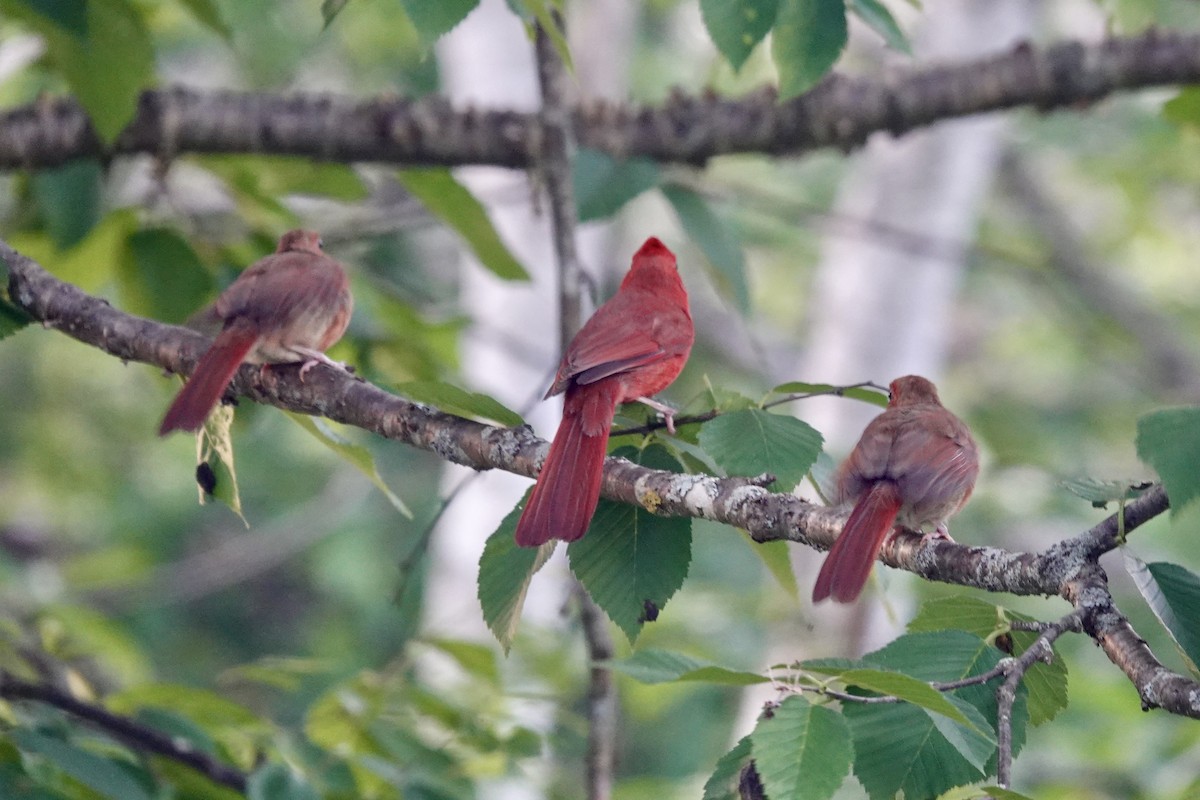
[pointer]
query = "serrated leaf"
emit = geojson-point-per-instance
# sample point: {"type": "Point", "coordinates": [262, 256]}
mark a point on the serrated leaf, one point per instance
{"type": "Point", "coordinates": [449, 201]}
{"type": "Point", "coordinates": [1169, 441]}
{"type": "Point", "coordinates": [603, 185]}
{"type": "Point", "coordinates": [1102, 492]}
{"type": "Point", "coordinates": [754, 441]}
{"type": "Point", "coordinates": [68, 198]}
{"type": "Point", "coordinates": [716, 240]}
{"type": "Point", "coordinates": [209, 14]}
{"type": "Point", "coordinates": [802, 751]}
{"type": "Point", "coordinates": [877, 17]}
{"type": "Point", "coordinates": [108, 66]}
{"type": "Point", "coordinates": [278, 782]}
{"type": "Point", "coordinates": [355, 455]}
{"type": "Point", "coordinates": [104, 776]}
{"type": "Point", "coordinates": [505, 571]}
{"type": "Point", "coordinates": [872, 396]}
{"type": "Point", "coordinates": [1173, 594]}
{"type": "Point", "coordinates": [975, 742]}
{"type": "Point", "coordinates": [723, 783]}
{"type": "Point", "coordinates": [663, 666]}
{"type": "Point", "coordinates": [737, 26]}
{"type": "Point", "coordinates": [453, 400]}
{"type": "Point", "coordinates": [630, 558]}
{"type": "Point", "coordinates": [432, 20]}
{"type": "Point", "coordinates": [1046, 684]}
{"type": "Point", "coordinates": [163, 277]}
{"type": "Point", "coordinates": [808, 38]}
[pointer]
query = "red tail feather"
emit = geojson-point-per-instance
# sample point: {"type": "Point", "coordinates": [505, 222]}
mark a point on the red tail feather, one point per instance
{"type": "Point", "coordinates": [845, 571]}
{"type": "Point", "coordinates": [568, 488]}
{"type": "Point", "coordinates": [202, 391]}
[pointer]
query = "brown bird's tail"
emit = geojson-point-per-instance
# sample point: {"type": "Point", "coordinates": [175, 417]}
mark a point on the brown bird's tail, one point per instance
{"type": "Point", "coordinates": [845, 571]}
{"type": "Point", "coordinates": [568, 488]}
{"type": "Point", "coordinates": [203, 389]}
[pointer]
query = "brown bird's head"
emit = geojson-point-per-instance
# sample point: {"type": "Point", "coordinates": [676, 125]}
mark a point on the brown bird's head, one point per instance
{"type": "Point", "coordinates": [912, 390]}
{"type": "Point", "coordinates": [300, 241]}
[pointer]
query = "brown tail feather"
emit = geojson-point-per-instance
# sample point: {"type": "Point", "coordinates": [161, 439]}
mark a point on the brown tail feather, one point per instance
{"type": "Point", "coordinates": [203, 389]}
{"type": "Point", "coordinates": [845, 571]}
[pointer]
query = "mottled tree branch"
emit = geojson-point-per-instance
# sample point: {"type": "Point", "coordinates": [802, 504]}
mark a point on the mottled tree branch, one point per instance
{"type": "Point", "coordinates": [1069, 569]}
{"type": "Point", "coordinates": [133, 734]}
{"type": "Point", "coordinates": [842, 111]}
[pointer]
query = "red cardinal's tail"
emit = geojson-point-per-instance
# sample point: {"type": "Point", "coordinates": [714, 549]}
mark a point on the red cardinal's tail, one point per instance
{"type": "Point", "coordinates": [212, 375]}
{"type": "Point", "coordinates": [845, 571]}
{"type": "Point", "coordinates": [568, 487]}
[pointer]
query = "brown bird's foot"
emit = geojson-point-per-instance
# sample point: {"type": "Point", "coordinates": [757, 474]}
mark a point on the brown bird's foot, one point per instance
{"type": "Point", "coordinates": [314, 357]}
{"type": "Point", "coordinates": [667, 412]}
{"type": "Point", "coordinates": [940, 532]}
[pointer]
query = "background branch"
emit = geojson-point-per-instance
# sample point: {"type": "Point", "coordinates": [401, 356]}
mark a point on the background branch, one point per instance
{"type": "Point", "coordinates": [133, 734]}
{"type": "Point", "coordinates": [842, 112]}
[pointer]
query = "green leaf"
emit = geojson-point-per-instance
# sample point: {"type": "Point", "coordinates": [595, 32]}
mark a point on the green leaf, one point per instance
{"type": "Point", "coordinates": [12, 319]}
{"type": "Point", "coordinates": [630, 559]}
{"type": "Point", "coordinates": [453, 400]}
{"type": "Point", "coordinates": [108, 777]}
{"type": "Point", "coordinates": [278, 782]}
{"type": "Point", "coordinates": [1184, 108]}
{"type": "Point", "coordinates": [163, 278]}
{"type": "Point", "coordinates": [754, 441]}
{"type": "Point", "coordinates": [1046, 684]}
{"type": "Point", "coordinates": [663, 666]}
{"type": "Point", "coordinates": [450, 201]}
{"type": "Point", "coordinates": [355, 455]}
{"type": "Point", "coordinates": [107, 62]}
{"type": "Point", "coordinates": [603, 184]}
{"type": "Point", "coordinates": [70, 15]}
{"type": "Point", "coordinates": [539, 11]}
{"type": "Point", "coordinates": [330, 9]}
{"type": "Point", "coordinates": [808, 38]}
{"type": "Point", "coordinates": [1173, 594]}
{"type": "Point", "coordinates": [209, 14]}
{"type": "Point", "coordinates": [872, 396]}
{"type": "Point", "coordinates": [887, 682]}
{"type": "Point", "coordinates": [214, 451]}
{"type": "Point", "coordinates": [1169, 441]}
{"type": "Point", "coordinates": [68, 198]}
{"type": "Point", "coordinates": [1102, 492]}
{"type": "Point", "coordinates": [476, 659]}
{"type": "Point", "coordinates": [433, 19]}
{"type": "Point", "coordinates": [716, 239]}
{"type": "Point", "coordinates": [802, 751]}
{"type": "Point", "coordinates": [505, 572]}
{"type": "Point", "coordinates": [975, 742]}
{"type": "Point", "coordinates": [996, 793]}
{"type": "Point", "coordinates": [723, 783]}
{"type": "Point", "coordinates": [737, 26]}
{"type": "Point", "coordinates": [877, 17]}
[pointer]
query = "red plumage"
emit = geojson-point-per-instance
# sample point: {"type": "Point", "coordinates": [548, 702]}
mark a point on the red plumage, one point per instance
{"type": "Point", "coordinates": [634, 346]}
{"type": "Point", "coordinates": [915, 465]}
{"type": "Point", "coordinates": [290, 306]}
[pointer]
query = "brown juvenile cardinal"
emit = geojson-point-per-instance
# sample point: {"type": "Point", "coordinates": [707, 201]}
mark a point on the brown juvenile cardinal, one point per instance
{"type": "Point", "coordinates": [631, 348]}
{"type": "Point", "coordinates": [290, 306]}
{"type": "Point", "coordinates": [915, 465]}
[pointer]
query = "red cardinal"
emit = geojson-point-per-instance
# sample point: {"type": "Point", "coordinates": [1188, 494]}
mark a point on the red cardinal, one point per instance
{"type": "Point", "coordinates": [631, 348]}
{"type": "Point", "coordinates": [915, 465]}
{"type": "Point", "coordinates": [287, 307]}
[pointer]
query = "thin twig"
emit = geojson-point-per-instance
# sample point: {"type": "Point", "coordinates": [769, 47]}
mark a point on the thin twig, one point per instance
{"type": "Point", "coordinates": [558, 146]}
{"type": "Point", "coordinates": [134, 734]}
